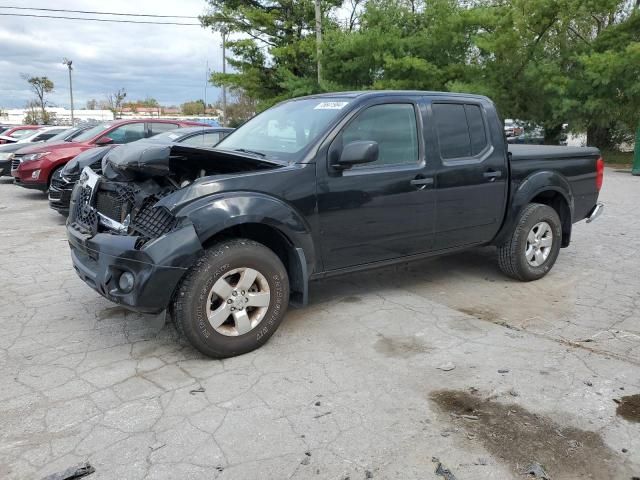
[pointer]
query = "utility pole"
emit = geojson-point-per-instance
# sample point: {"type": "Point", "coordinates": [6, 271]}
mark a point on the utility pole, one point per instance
{"type": "Point", "coordinates": [224, 70]}
{"type": "Point", "coordinates": [318, 38]}
{"type": "Point", "coordinates": [67, 62]}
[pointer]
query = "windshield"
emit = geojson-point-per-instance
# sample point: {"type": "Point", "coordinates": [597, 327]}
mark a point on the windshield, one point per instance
{"type": "Point", "coordinates": [92, 132]}
{"type": "Point", "coordinates": [284, 130]}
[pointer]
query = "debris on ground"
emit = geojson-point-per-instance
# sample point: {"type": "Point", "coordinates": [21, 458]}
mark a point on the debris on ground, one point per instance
{"type": "Point", "coordinates": [629, 407]}
{"type": "Point", "coordinates": [156, 446]}
{"type": "Point", "coordinates": [481, 461]}
{"type": "Point", "coordinates": [503, 370]}
{"type": "Point", "coordinates": [588, 383]}
{"type": "Point", "coordinates": [368, 474]}
{"type": "Point", "coordinates": [446, 367]}
{"type": "Point", "coordinates": [322, 415]}
{"type": "Point", "coordinates": [537, 471]}
{"type": "Point", "coordinates": [197, 390]}
{"type": "Point", "coordinates": [444, 472]}
{"type": "Point", "coordinates": [71, 473]}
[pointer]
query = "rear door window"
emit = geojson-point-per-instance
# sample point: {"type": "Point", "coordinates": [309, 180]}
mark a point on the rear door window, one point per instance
{"type": "Point", "coordinates": [461, 129]}
{"type": "Point", "coordinates": [453, 131]}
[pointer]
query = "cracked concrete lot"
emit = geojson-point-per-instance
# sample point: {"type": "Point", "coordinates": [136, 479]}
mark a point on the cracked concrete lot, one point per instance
{"type": "Point", "coordinates": [349, 387]}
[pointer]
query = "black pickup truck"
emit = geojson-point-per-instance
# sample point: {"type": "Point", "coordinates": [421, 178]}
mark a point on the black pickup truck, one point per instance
{"type": "Point", "coordinates": [226, 238]}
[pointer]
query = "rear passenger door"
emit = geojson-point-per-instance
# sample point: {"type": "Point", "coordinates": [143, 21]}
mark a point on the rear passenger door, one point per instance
{"type": "Point", "coordinates": [471, 181]}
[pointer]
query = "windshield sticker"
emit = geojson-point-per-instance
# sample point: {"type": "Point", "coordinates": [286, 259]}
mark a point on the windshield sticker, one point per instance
{"type": "Point", "coordinates": [330, 105]}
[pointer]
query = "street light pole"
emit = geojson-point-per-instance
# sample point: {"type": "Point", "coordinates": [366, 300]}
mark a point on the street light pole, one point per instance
{"type": "Point", "coordinates": [224, 70]}
{"type": "Point", "coordinates": [68, 63]}
{"type": "Point", "coordinates": [318, 38]}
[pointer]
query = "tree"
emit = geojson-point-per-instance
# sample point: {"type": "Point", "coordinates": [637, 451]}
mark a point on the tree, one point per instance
{"type": "Point", "coordinates": [274, 56]}
{"type": "Point", "coordinates": [240, 108]}
{"type": "Point", "coordinates": [195, 107]}
{"type": "Point", "coordinates": [114, 101]}
{"type": "Point", "coordinates": [41, 86]}
{"type": "Point", "coordinates": [92, 104]}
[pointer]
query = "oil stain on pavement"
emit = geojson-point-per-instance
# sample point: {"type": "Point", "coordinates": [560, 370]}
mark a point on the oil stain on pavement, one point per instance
{"type": "Point", "coordinates": [519, 438]}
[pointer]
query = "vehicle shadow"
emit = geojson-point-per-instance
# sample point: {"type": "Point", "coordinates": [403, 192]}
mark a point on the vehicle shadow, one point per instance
{"type": "Point", "coordinates": [461, 271]}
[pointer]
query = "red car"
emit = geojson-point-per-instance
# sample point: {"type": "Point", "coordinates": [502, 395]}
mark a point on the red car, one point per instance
{"type": "Point", "coordinates": [33, 167]}
{"type": "Point", "coordinates": [17, 132]}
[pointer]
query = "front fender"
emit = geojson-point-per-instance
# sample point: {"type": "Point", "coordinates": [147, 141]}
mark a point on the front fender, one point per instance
{"type": "Point", "coordinates": [523, 192]}
{"type": "Point", "coordinates": [215, 213]}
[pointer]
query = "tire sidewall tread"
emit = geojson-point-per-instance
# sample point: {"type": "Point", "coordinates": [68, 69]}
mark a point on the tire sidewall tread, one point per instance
{"type": "Point", "coordinates": [189, 305]}
{"type": "Point", "coordinates": [511, 257]}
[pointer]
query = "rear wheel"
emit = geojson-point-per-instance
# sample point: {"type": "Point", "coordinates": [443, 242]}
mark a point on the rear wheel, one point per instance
{"type": "Point", "coordinates": [233, 299]}
{"type": "Point", "coordinates": [534, 245]}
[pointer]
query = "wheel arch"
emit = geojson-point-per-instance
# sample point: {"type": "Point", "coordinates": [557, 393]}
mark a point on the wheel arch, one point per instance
{"type": "Point", "coordinates": [266, 220]}
{"type": "Point", "coordinates": [545, 187]}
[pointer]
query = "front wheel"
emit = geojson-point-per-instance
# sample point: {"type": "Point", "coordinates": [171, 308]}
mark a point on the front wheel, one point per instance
{"type": "Point", "coordinates": [233, 299]}
{"type": "Point", "coordinates": [534, 244]}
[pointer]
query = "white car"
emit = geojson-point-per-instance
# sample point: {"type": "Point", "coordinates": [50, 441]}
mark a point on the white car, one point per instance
{"type": "Point", "coordinates": [39, 135]}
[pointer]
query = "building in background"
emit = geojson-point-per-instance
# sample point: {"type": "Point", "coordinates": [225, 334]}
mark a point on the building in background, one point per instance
{"type": "Point", "coordinates": [60, 116]}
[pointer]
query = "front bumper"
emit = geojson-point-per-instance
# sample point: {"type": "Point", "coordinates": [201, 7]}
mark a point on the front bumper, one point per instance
{"type": "Point", "coordinates": [157, 268]}
{"type": "Point", "coordinates": [5, 168]}
{"type": "Point", "coordinates": [60, 195]}
{"type": "Point", "coordinates": [31, 185]}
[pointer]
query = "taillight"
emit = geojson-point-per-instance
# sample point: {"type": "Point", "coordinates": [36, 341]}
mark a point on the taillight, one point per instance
{"type": "Point", "coordinates": [599, 173]}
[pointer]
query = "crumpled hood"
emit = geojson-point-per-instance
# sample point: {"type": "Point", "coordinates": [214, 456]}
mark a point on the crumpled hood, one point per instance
{"type": "Point", "coordinates": [140, 160]}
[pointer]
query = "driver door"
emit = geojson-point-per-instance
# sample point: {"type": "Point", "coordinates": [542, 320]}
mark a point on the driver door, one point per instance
{"type": "Point", "coordinates": [382, 210]}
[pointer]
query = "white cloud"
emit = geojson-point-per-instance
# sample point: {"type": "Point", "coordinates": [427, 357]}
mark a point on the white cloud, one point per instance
{"type": "Point", "coordinates": [166, 62]}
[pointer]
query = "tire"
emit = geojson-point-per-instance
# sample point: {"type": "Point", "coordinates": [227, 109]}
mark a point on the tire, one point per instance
{"type": "Point", "coordinates": [195, 300]}
{"type": "Point", "coordinates": [514, 256]}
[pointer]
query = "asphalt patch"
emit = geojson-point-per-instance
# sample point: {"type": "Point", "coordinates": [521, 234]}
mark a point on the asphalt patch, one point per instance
{"type": "Point", "coordinates": [519, 438]}
{"type": "Point", "coordinates": [629, 408]}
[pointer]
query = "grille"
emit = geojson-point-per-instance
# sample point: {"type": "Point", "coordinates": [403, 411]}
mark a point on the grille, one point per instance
{"type": "Point", "coordinates": [54, 193]}
{"type": "Point", "coordinates": [96, 166]}
{"type": "Point", "coordinates": [152, 222]}
{"type": "Point", "coordinates": [115, 203]}
{"type": "Point", "coordinates": [84, 217]}
{"type": "Point", "coordinates": [15, 163]}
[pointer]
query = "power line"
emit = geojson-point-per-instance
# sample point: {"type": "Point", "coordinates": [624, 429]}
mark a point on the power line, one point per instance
{"type": "Point", "coordinates": [95, 12]}
{"type": "Point", "coordinates": [97, 19]}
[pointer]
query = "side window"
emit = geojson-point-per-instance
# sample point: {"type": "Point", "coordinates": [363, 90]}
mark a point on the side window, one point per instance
{"type": "Point", "coordinates": [158, 127]}
{"type": "Point", "coordinates": [127, 133]}
{"type": "Point", "coordinates": [395, 129]}
{"type": "Point", "coordinates": [476, 128]}
{"type": "Point", "coordinates": [461, 129]}
{"type": "Point", "coordinates": [203, 140]}
{"type": "Point", "coordinates": [453, 132]}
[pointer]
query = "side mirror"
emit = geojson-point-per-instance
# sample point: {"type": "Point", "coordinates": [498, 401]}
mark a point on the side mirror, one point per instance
{"type": "Point", "coordinates": [356, 153]}
{"type": "Point", "coordinates": [104, 141]}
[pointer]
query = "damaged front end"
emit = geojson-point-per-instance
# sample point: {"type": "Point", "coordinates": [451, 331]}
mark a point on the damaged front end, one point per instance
{"type": "Point", "coordinates": [125, 245]}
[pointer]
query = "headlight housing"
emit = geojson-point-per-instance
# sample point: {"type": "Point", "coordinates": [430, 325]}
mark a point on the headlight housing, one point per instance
{"type": "Point", "coordinates": [34, 156]}
{"type": "Point", "coordinates": [6, 156]}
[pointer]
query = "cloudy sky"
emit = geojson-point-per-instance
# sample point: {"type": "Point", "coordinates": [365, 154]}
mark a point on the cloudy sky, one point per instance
{"type": "Point", "coordinates": [166, 62]}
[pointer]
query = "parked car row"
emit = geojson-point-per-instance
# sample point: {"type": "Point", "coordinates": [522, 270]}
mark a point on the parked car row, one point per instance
{"type": "Point", "coordinates": [51, 158]}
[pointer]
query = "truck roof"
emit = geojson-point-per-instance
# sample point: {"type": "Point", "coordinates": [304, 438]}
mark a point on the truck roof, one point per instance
{"type": "Point", "coordinates": [384, 93]}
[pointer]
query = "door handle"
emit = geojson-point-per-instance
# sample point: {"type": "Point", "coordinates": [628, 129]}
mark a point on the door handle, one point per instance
{"type": "Point", "coordinates": [492, 175]}
{"type": "Point", "coordinates": [421, 182]}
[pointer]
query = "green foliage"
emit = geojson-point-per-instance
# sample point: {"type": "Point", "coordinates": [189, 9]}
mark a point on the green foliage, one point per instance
{"type": "Point", "coordinates": [548, 62]}
{"type": "Point", "coordinates": [195, 107]}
